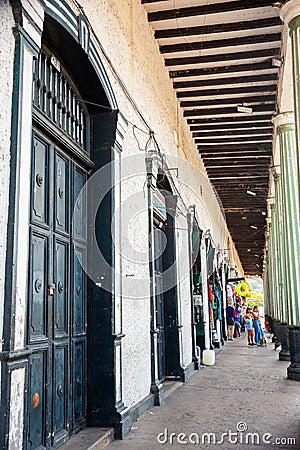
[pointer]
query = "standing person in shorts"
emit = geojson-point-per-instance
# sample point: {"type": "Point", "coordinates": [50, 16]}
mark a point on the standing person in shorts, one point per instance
{"type": "Point", "coordinates": [230, 321]}
{"type": "Point", "coordinates": [248, 318]}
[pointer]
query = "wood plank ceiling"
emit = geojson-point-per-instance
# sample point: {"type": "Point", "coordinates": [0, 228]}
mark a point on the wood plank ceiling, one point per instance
{"type": "Point", "coordinates": [221, 55]}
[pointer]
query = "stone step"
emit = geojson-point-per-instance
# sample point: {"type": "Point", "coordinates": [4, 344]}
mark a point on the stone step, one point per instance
{"type": "Point", "coordinates": [90, 439]}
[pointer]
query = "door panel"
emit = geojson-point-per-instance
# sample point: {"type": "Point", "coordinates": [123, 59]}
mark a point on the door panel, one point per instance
{"type": "Point", "coordinates": [79, 293]}
{"type": "Point", "coordinates": [78, 380]}
{"type": "Point", "coordinates": [37, 398]}
{"type": "Point", "coordinates": [40, 181]}
{"type": "Point", "coordinates": [61, 292]}
{"type": "Point", "coordinates": [57, 299]}
{"type": "Point", "coordinates": [38, 283]}
{"type": "Point", "coordinates": [80, 206]}
{"type": "Point", "coordinates": [62, 193]}
{"type": "Point", "coordinates": [60, 392]}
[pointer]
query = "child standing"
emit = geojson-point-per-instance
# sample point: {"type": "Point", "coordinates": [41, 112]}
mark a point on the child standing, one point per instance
{"type": "Point", "coordinates": [248, 318]}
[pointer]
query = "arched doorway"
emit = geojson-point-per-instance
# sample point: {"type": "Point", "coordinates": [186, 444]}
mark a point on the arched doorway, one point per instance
{"type": "Point", "coordinates": [67, 95]}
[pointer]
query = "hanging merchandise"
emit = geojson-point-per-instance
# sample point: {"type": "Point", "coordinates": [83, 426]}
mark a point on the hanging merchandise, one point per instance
{"type": "Point", "coordinates": [210, 300]}
{"type": "Point", "coordinates": [243, 289]}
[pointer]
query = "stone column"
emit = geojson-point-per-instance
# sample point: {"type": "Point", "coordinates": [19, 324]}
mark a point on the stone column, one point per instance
{"type": "Point", "coordinates": [289, 154]}
{"type": "Point", "coordinates": [290, 14]}
{"type": "Point", "coordinates": [284, 354]}
{"type": "Point", "coordinates": [291, 220]}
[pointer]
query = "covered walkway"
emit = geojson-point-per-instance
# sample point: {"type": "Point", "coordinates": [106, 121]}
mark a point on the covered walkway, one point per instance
{"type": "Point", "coordinates": [246, 388]}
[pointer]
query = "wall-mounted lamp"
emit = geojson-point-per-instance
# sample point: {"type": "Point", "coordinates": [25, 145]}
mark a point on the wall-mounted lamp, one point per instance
{"type": "Point", "coordinates": [207, 234]}
{"type": "Point", "coordinates": [244, 109]}
{"type": "Point", "coordinates": [251, 192]}
{"type": "Point", "coordinates": [277, 61]}
{"type": "Point", "coordinates": [254, 227]}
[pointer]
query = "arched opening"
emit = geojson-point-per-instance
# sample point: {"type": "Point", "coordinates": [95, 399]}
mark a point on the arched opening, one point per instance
{"type": "Point", "coordinates": [72, 123]}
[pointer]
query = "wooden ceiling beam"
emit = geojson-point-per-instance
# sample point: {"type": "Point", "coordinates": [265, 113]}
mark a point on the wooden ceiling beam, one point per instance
{"type": "Point", "coordinates": [251, 162]}
{"type": "Point", "coordinates": [226, 170]}
{"type": "Point", "coordinates": [229, 120]}
{"type": "Point", "coordinates": [223, 81]}
{"type": "Point", "coordinates": [259, 98]}
{"type": "Point", "coordinates": [234, 140]}
{"type": "Point", "coordinates": [228, 127]}
{"type": "Point", "coordinates": [203, 10]}
{"type": "Point", "coordinates": [222, 57]}
{"type": "Point", "coordinates": [263, 148]}
{"type": "Point", "coordinates": [250, 180]}
{"type": "Point", "coordinates": [229, 110]}
{"type": "Point", "coordinates": [243, 209]}
{"type": "Point", "coordinates": [261, 187]}
{"type": "Point", "coordinates": [236, 68]}
{"type": "Point", "coordinates": [218, 28]}
{"type": "Point", "coordinates": [235, 132]}
{"type": "Point", "coordinates": [228, 156]}
{"type": "Point", "coordinates": [257, 202]}
{"type": "Point", "coordinates": [227, 91]}
{"type": "Point", "coordinates": [220, 43]}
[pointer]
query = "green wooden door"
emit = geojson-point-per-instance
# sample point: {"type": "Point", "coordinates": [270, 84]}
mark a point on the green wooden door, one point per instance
{"type": "Point", "coordinates": [56, 298]}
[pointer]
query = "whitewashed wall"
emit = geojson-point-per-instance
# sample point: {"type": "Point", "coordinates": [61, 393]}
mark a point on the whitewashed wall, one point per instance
{"type": "Point", "coordinates": [127, 39]}
{"type": "Point", "coordinates": [6, 82]}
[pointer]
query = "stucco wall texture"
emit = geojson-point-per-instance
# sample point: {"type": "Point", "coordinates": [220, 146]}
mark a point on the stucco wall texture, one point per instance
{"type": "Point", "coordinates": [6, 83]}
{"type": "Point", "coordinates": [131, 58]}
{"type": "Point", "coordinates": [127, 38]}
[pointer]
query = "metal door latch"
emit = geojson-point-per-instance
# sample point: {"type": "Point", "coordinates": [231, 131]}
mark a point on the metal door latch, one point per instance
{"type": "Point", "coordinates": [51, 289]}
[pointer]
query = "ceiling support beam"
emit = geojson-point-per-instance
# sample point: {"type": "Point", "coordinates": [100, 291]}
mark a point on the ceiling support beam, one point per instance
{"type": "Point", "coordinates": [240, 147]}
{"type": "Point", "coordinates": [219, 28]}
{"type": "Point", "coordinates": [203, 10]}
{"type": "Point", "coordinates": [229, 110]}
{"type": "Point", "coordinates": [223, 81]}
{"type": "Point", "coordinates": [226, 128]}
{"type": "Point", "coordinates": [223, 57]}
{"type": "Point", "coordinates": [260, 98]}
{"type": "Point", "coordinates": [220, 43]}
{"type": "Point", "coordinates": [228, 91]}
{"type": "Point", "coordinates": [235, 132]}
{"type": "Point", "coordinates": [230, 120]}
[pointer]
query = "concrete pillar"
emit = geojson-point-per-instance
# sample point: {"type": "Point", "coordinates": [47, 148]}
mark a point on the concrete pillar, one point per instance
{"type": "Point", "coordinates": [276, 255]}
{"type": "Point", "coordinates": [270, 271]}
{"type": "Point", "coordinates": [281, 279]}
{"type": "Point", "coordinates": [284, 123]}
{"type": "Point", "coordinates": [290, 141]}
